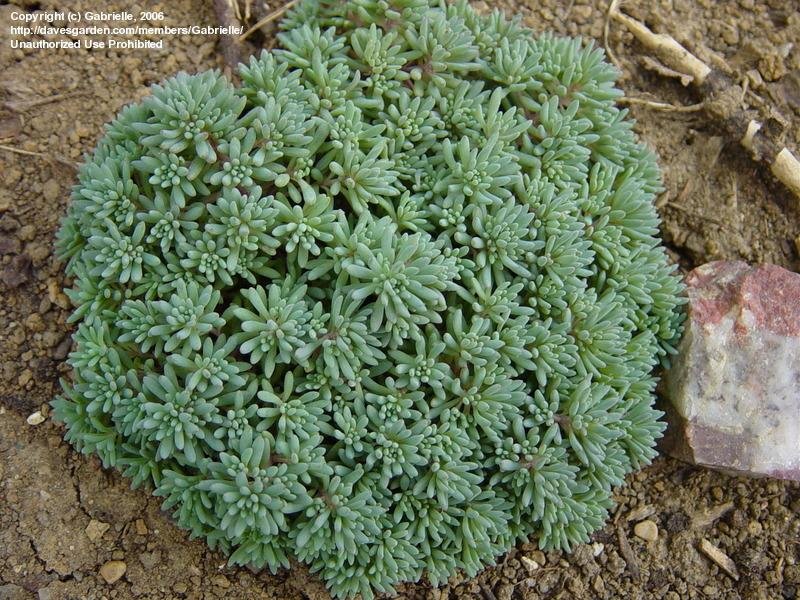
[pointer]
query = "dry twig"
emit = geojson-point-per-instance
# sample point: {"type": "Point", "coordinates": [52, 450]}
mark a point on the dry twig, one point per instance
{"type": "Point", "coordinates": [627, 553]}
{"type": "Point", "coordinates": [654, 65]}
{"type": "Point", "coordinates": [21, 105]}
{"type": "Point", "coordinates": [268, 19]}
{"type": "Point", "coordinates": [661, 105]}
{"type": "Point", "coordinates": [233, 50]}
{"type": "Point", "coordinates": [612, 9]}
{"type": "Point", "coordinates": [722, 101]}
{"type": "Point", "coordinates": [60, 159]}
{"type": "Point", "coordinates": [704, 518]}
{"type": "Point", "coordinates": [717, 556]}
{"type": "Point", "coordinates": [665, 47]}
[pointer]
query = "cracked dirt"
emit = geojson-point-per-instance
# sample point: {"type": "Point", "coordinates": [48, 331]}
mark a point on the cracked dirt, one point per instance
{"type": "Point", "coordinates": [717, 204]}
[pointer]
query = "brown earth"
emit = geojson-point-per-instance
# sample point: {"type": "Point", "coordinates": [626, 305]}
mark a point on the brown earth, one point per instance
{"type": "Point", "coordinates": [62, 517]}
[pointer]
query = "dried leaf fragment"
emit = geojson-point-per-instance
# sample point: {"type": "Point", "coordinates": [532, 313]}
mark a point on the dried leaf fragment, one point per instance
{"type": "Point", "coordinates": [718, 557]}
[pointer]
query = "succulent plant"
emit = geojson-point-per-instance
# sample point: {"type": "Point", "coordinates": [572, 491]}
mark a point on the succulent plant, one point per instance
{"type": "Point", "coordinates": [390, 306]}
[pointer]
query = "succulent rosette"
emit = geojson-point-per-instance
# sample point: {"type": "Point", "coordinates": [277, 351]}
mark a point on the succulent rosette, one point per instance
{"type": "Point", "coordinates": [389, 306]}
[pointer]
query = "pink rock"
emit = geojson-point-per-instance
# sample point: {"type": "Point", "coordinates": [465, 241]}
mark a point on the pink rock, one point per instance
{"type": "Point", "coordinates": [735, 385]}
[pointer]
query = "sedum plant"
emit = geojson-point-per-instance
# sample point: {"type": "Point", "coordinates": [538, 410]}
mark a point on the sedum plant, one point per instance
{"type": "Point", "coordinates": [388, 307]}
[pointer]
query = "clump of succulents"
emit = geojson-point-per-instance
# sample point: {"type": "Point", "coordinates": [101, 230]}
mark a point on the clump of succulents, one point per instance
{"type": "Point", "coordinates": [388, 307]}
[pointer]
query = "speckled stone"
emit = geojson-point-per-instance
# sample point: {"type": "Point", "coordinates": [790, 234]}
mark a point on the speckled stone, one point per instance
{"type": "Point", "coordinates": [734, 387]}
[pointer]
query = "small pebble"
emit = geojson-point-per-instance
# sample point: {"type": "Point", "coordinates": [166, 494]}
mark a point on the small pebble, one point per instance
{"type": "Point", "coordinates": [221, 581]}
{"type": "Point", "coordinates": [113, 570]}
{"type": "Point", "coordinates": [44, 305]}
{"type": "Point", "coordinates": [10, 245]}
{"type": "Point", "coordinates": [38, 252]}
{"type": "Point", "coordinates": [731, 35]}
{"type": "Point", "coordinates": [583, 14]}
{"type": "Point", "coordinates": [43, 594]}
{"type": "Point", "coordinates": [481, 7]}
{"type": "Point", "coordinates": [36, 418]}
{"type": "Point", "coordinates": [646, 530]}
{"type": "Point", "coordinates": [754, 528]}
{"type": "Point", "coordinates": [11, 127]}
{"type": "Point", "coordinates": [56, 296]}
{"type": "Point", "coordinates": [50, 338]}
{"type": "Point", "coordinates": [149, 559]}
{"type": "Point", "coordinates": [530, 564]}
{"type": "Point", "coordinates": [61, 351]}
{"type": "Point", "coordinates": [539, 557]}
{"type": "Point", "coordinates": [27, 233]}
{"type": "Point", "coordinates": [17, 272]}
{"type": "Point", "coordinates": [8, 223]}
{"type": "Point", "coordinates": [10, 177]}
{"type": "Point", "coordinates": [599, 585]}
{"type": "Point", "coordinates": [141, 527]}
{"type": "Point", "coordinates": [597, 548]}
{"type": "Point", "coordinates": [95, 529]}
{"type": "Point", "coordinates": [34, 322]}
{"type": "Point", "coordinates": [50, 190]}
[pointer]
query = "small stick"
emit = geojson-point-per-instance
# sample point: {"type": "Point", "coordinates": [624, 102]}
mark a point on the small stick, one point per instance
{"type": "Point", "coordinates": [787, 169]}
{"type": "Point", "coordinates": [718, 88]}
{"type": "Point", "coordinates": [20, 105]}
{"type": "Point", "coordinates": [670, 51]}
{"type": "Point", "coordinates": [654, 65]}
{"type": "Point", "coordinates": [662, 105]}
{"type": "Point", "coordinates": [39, 155]}
{"type": "Point", "coordinates": [698, 215]}
{"type": "Point", "coordinates": [233, 50]}
{"type": "Point", "coordinates": [722, 560]}
{"type": "Point", "coordinates": [612, 9]}
{"type": "Point", "coordinates": [627, 553]}
{"type": "Point", "coordinates": [704, 518]}
{"type": "Point", "coordinates": [488, 594]}
{"type": "Point", "coordinates": [268, 18]}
